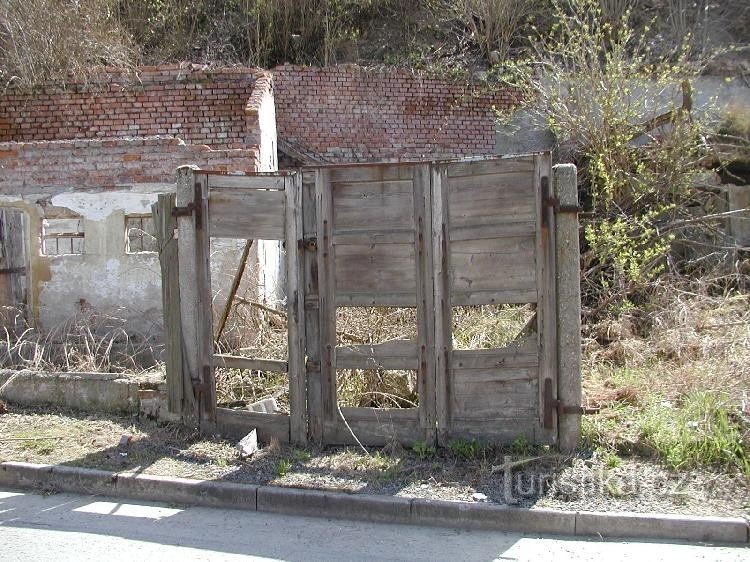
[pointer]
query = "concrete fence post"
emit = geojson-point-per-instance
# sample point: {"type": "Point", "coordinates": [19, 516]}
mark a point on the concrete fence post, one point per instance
{"type": "Point", "coordinates": [568, 287]}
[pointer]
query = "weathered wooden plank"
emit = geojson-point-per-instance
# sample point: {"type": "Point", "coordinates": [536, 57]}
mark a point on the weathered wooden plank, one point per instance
{"type": "Point", "coordinates": [508, 296]}
{"type": "Point", "coordinates": [252, 363]}
{"type": "Point", "coordinates": [246, 182]}
{"type": "Point", "coordinates": [165, 224]}
{"type": "Point", "coordinates": [407, 299]}
{"type": "Point", "coordinates": [377, 268]}
{"type": "Point", "coordinates": [498, 270]}
{"type": "Point", "coordinates": [370, 172]}
{"type": "Point", "coordinates": [395, 354]}
{"type": "Point", "coordinates": [525, 352]}
{"type": "Point", "coordinates": [387, 205]}
{"type": "Point", "coordinates": [296, 310]}
{"type": "Point", "coordinates": [496, 230]}
{"type": "Point", "coordinates": [506, 374]}
{"type": "Point", "coordinates": [326, 284]}
{"type": "Point", "coordinates": [207, 402]}
{"type": "Point", "coordinates": [312, 320]}
{"type": "Point", "coordinates": [376, 427]}
{"type": "Point", "coordinates": [475, 168]}
{"type": "Point", "coordinates": [369, 237]}
{"type": "Point", "coordinates": [425, 303]}
{"type": "Point", "coordinates": [547, 309]}
{"type": "Point", "coordinates": [255, 214]}
{"type": "Point", "coordinates": [235, 424]}
{"type": "Point", "coordinates": [499, 431]}
{"type": "Point", "coordinates": [468, 206]}
{"type": "Point", "coordinates": [442, 299]}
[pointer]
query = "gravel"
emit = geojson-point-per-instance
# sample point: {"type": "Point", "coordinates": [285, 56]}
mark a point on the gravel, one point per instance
{"type": "Point", "coordinates": [580, 483]}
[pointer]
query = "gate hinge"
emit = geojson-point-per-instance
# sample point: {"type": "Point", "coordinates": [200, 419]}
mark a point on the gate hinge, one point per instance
{"type": "Point", "coordinates": [554, 202]}
{"type": "Point", "coordinates": [12, 270]}
{"type": "Point", "coordinates": [200, 387]}
{"type": "Point", "coordinates": [185, 211]}
{"type": "Point", "coordinates": [309, 243]}
{"type": "Point", "coordinates": [554, 405]}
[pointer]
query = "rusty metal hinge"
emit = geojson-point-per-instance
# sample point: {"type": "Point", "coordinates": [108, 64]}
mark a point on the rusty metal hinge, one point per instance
{"type": "Point", "coordinates": [548, 200]}
{"type": "Point", "coordinates": [12, 270]}
{"type": "Point", "coordinates": [554, 405]}
{"type": "Point", "coordinates": [309, 243]}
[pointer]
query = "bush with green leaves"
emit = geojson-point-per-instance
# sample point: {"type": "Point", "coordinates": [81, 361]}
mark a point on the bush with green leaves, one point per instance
{"type": "Point", "coordinates": [625, 114]}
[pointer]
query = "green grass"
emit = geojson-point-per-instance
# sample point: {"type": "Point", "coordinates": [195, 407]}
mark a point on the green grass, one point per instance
{"type": "Point", "coordinates": [283, 467]}
{"type": "Point", "coordinates": [703, 428]}
{"type": "Point", "coordinates": [464, 448]}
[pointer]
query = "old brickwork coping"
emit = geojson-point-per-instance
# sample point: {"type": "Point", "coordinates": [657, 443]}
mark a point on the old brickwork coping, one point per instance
{"type": "Point", "coordinates": [348, 113]}
{"type": "Point", "coordinates": [197, 105]}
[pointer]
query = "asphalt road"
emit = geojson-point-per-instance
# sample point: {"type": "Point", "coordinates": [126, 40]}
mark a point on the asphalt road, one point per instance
{"type": "Point", "coordinates": [63, 527]}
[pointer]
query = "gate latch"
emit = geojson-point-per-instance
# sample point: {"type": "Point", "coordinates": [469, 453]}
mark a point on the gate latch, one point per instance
{"type": "Point", "coordinates": [310, 243]}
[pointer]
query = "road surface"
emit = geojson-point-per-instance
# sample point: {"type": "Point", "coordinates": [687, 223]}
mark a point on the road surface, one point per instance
{"type": "Point", "coordinates": [67, 527]}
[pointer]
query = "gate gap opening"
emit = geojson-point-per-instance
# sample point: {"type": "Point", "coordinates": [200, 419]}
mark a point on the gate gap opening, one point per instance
{"type": "Point", "coordinates": [253, 321]}
{"type": "Point", "coordinates": [491, 326]}
{"type": "Point", "coordinates": [377, 388]}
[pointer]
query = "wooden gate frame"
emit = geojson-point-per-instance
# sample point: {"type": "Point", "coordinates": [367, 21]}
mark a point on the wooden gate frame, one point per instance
{"type": "Point", "coordinates": [183, 224]}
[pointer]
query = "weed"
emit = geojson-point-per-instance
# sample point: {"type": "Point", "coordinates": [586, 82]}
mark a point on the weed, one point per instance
{"type": "Point", "coordinates": [611, 460]}
{"type": "Point", "coordinates": [702, 429]}
{"type": "Point", "coordinates": [283, 467]}
{"type": "Point", "coordinates": [464, 448]}
{"type": "Point", "coordinates": [38, 446]}
{"type": "Point", "coordinates": [521, 446]}
{"type": "Point", "coordinates": [300, 455]}
{"type": "Point", "coordinates": [423, 450]}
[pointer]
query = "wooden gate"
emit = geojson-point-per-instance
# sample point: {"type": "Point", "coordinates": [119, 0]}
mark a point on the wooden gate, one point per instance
{"type": "Point", "coordinates": [431, 236]}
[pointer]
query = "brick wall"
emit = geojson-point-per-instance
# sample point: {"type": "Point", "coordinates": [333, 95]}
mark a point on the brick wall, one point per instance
{"type": "Point", "coordinates": [347, 113]}
{"type": "Point", "coordinates": [54, 166]}
{"type": "Point", "coordinates": [198, 106]}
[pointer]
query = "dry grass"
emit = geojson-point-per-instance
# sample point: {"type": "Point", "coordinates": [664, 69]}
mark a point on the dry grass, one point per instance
{"type": "Point", "coordinates": [88, 342]}
{"type": "Point", "coordinates": [672, 380]}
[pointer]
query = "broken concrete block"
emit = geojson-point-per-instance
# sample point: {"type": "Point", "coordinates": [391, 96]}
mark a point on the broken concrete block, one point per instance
{"type": "Point", "coordinates": [265, 406]}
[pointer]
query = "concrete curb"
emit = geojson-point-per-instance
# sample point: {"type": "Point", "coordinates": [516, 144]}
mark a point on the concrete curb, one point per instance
{"type": "Point", "coordinates": [372, 508]}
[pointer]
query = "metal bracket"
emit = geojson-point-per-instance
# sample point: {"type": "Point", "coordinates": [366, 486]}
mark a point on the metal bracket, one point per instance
{"type": "Point", "coordinates": [192, 208]}
{"type": "Point", "coordinates": [555, 405]}
{"type": "Point", "coordinates": [310, 243]}
{"type": "Point", "coordinates": [12, 270]}
{"type": "Point", "coordinates": [548, 200]}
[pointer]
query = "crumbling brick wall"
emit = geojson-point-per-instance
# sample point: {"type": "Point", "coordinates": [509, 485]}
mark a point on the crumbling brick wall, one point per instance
{"type": "Point", "coordinates": [199, 106]}
{"type": "Point", "coordinates": [348, 113]}
{"type": "Point", "coordinates": [112, 163]}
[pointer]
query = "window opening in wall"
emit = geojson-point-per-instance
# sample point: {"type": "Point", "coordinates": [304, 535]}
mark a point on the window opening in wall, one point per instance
{"type": "Point", "coordinates": [140, 234]}
{"type": "Point", "coordinates": [62, 236]}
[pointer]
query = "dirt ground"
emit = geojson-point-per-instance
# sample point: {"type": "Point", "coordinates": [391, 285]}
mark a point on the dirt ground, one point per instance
{"type": "Point", "coordinates": [529, 478]}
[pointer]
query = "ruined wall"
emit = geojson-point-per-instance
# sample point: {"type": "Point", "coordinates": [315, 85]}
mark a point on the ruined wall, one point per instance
{"type": "Point", "coordinates": [103, 182]}
{"type": "Point", "coordinates": [198, 106]}
{"type": "Point", "coordinates": [348, 113]}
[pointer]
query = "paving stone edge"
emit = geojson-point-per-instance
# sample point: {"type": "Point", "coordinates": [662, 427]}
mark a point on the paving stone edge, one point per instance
{"type": "Point", "coordinates": [384, 509]}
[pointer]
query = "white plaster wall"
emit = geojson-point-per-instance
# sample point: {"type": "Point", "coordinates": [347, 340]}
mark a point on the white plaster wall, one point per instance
{"type": "Point", "coordinates": [271, 254]}
{"type": "Point", "coordinates": [104, 278]}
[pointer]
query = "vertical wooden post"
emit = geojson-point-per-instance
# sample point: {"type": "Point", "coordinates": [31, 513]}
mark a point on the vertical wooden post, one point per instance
{"type": "Point", "coordinates": [295, 303]}
{"type": "Point", "coordinates": [441, 292]}
{"type": "Point", "coordinates": [425, 302]}
{"type": "Point", "coordinates": [312, 311]}
{"type": "Point", "coordinates": [165, 224]}
{"type": "Point", "coordinates": [327, 311]}
{"type": "Point", "coordinates": [567, 256]}
{"type": "Point", "coordinates": [546, 299]}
